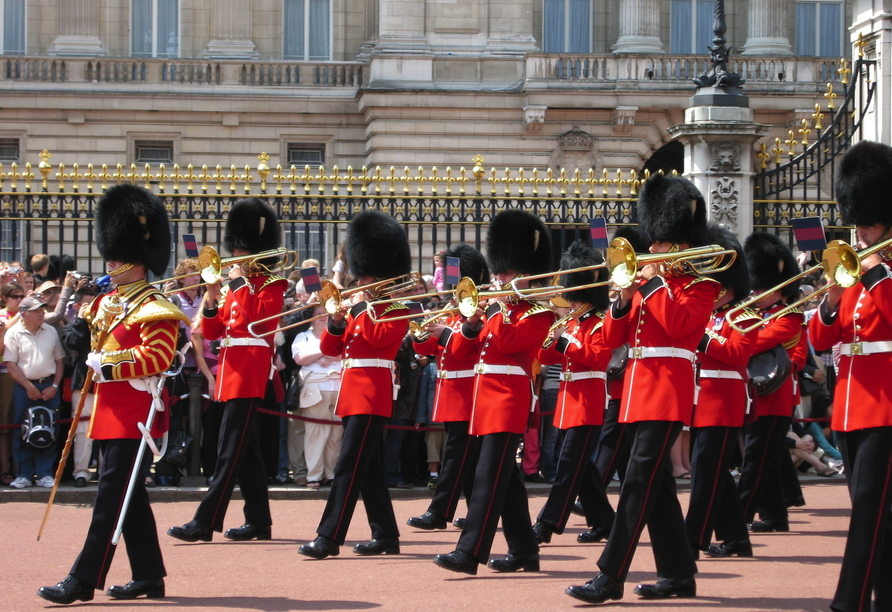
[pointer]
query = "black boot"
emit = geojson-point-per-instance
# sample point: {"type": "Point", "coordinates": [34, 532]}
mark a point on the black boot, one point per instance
{"type": "Point", "coordinates": [384, 546]}
{"type": "Point", "coordinates": [543, 532]}
{"type": "Point", "coordinates": [248, 532]}
{"type": "Point", "coordinates": [152, 589]}
{"type": "Point", "coordinates": [594, 535]}
{"type": "Point", "coordinates": [320, 548]}
{"type": "Point", "coordinates": [597, 590]}
{"type": "Point", "coordinates": [769, 525]}
{"type": "Point", "coordinates": [193, 531]}
{"type": "Point", "coordinates": [457, 561]}
{"type": "Point", "coordinates": [427, 521]}
{"type": "Point", "coordinates": [68, 591]}
{"type": "Point", "coordinates": [741, 548]}
{"type": "Point", "coordinates": [512, 563]}
{"type": "Point", "coordinates": [668, 587]}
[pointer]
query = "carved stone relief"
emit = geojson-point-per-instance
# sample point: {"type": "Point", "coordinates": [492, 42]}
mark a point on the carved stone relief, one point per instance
{"type": "Point", "coordinates": [576, 149]}
{"type": "Point", "coordinates": [723, 200]}
{"type": "Point", "coordinates": [725, 157]}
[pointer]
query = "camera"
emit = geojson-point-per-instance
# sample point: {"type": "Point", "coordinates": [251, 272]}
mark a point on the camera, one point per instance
{"type": "Point", "coordinates": [14, 270]}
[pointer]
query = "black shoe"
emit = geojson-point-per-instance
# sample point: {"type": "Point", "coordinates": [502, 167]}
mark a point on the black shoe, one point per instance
{"type": "Point", "coordinates": [80, 482]}
{"type": "Point", "coordinates": [597, 590]}
{"type": "Point", "coordinates": [577, 509]}
{"type": "Point", "coordinates": [668, 587]}
{"type": "Point", "coordinates": [459, 522]}
{"type": "Point", "coordinates": [248, 532]}
{"type": "Point", "coordinates": [457, 561]}
{"type": "Point", "coordinates": [741, 548]}
{"type": "Point", "coordinates": [404, 485]}
{"type": "Point", "coordinates": [512, 563]}
{"type": "Point", "coordinates": [320, 548]}
{"type": "Point", "coordinates": [795, 502]}
{"type": "Point", "coordinates": [543, 532]}
{"type": "Point", "coordinates": [193, 531]}
{"type": "Point", "coordinates": [593, 536]}
{"type": "Point", "coordinates": [769, 525]}
{"type": "Point", "coordinates": [152, 589]}
{"type": "Point", "coordinates": [427, 521]}
{"type": "Point", "coordinates": [384, 546]}
{"type": "Point", "coordinates": [68, 591]}
{"type": "Point", "coordinates": [534, 478]}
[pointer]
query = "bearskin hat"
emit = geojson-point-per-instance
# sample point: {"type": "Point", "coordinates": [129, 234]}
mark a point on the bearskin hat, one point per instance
{"type": "Point", "coordinates": [251, 226]}
{"type": "Point", "coordinates": [376, 246]}
{"type": "Point", "coordinates": [518, 241]}
{"type": "Point", "coordinates": [132, 227]}
{"type": "Point", "coordinates": [633, 235]}
{"type": "Point", "coordinates": [671, 209]}
{"type": "Point", "coordinates": [861, 184]}
{"type": "Point", "coordinates": [770, 263]}
{"type": "Point", "coordinates": [579, 255]}
{"type": "Point", "coordinates": [737, 277]}
{"type": "Point", "coordinates": [471, 263]}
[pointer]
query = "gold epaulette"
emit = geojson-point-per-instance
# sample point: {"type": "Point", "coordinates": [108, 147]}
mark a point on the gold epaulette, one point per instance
{"type": "Point", "coordinates": [393, 306]}
{"type": "Point", "coordinates": [790, 344]}
{"type": "Point", "coordinates": [700, 279]}
{"type": "Point", "coordinates": [599, 324]}
{"type": "Point", "coordinates": [794, 311]}
{"type": "Point", "coordinates": [272, 278]}
{"type": "Point", "coordinates": [716, 337]}
{"type": "Point", "coordinates": [747, 314]}
{"type": "Point", "coordinates": [536, 308]}
{"type": "Point", "coordinates": [158, 309]}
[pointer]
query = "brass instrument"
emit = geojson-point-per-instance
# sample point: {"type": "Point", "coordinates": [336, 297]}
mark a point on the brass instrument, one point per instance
{"type": "Point", "coordinates": [563, 322]}
{"type": "Point", "coordinates": [841, 265]}
{"type": "Point", "coordinates": [551, 292]}
{"type": "Point", "coordinates": [418, 329]}
{"type": "Point", "coordinates": [624, 263]}
{"type": "Point", "coordinates": [211, 265]}
{"type": "Point", "coordinates": [465, 295]}
{"type": "Point", "coordinates": [330, 298]}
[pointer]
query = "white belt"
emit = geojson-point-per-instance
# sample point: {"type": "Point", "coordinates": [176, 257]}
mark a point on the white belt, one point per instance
{"type": "Point", "coordinates": [346, 364]}
{"type": "Point", "coordinates": [571, 376]}
{"type": "Point", "coordinates": [865, 348]}
{"type": "Point", "coordinates": [450, 374]}
{"type": "Point", "coordinates": [643, 352]}
{"type": "Point", "coordinates": [485, 368]}
{"type": "Point", "coordinates": [227, 342]}
{"type": "Point", "coordinates": [721, 374]}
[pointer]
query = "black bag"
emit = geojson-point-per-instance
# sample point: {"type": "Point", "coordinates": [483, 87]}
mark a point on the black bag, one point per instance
{"type": "Point", "coordinates": [809, 386]}
{"type": "Point", "coordinates": [177, 453]}
{"type": "Point", "coordinates": [38, 430]}
{"type": "Point", "coordinates": [618, 361]}
{"type": "Point", "coordinates": [769, 370]}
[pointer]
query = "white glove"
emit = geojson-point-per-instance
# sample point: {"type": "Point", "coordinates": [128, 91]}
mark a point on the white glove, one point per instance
{"type": "Point", "coordinates": [94, 360]}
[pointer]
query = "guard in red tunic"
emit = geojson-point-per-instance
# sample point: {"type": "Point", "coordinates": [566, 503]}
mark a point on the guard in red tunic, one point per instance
{"type": "Point", "coordinates": [377, 249]}
{"type": "Point", "coordinates": [504, 348]}
{"type": "Point", "coordinates": [770, 263]}
{"type": "Point", "coordinates": [722, 404]}
{"type": "Point", "coordinates": [133, 235]}
{"type": "Point", "coordinates": [452, 403]}
{"type": "Point", "coordinates": [245, 370]}
{"type": "Point", "coordinates": [661, 316]}
{"type": "Point", "coordinates": [860, 317]}
{"type": "Point", "coordinates": [577, 344]}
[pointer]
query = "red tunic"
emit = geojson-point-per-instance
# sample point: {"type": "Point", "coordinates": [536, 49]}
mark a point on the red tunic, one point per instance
{"type": "Point", "coordinates": [510, 337]}
{"type": "Point", "coordinates": [665, 313]}
{"type": "Point", "coordinates": [141, 342]}
{"type": "Point", "coordinates": [455, 377]}
{"type": "Point", "coordinates": [723, 401]}
{"type": "Point", "coordinates": [786, 331]}
{"type": "Point", "coordinates": [580, 349]}
{"type": "Point", "coordinates": [366, 390]}
{"type": "Point", "coordinates": [863, 396]}
{"type": "Point", "coordinates": [245, 370]}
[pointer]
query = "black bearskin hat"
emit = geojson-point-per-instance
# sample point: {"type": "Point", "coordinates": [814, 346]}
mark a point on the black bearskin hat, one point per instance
{"type": "Point", "coordinates": [132, 227]}
{"type": "Point", "coordinates": [861, 190]}
{"type": "Point", "coordinates": [579, 255]}
{"type": "Point", "coordinates": [737, 277]}
{"type": "Point", "coordinates": [251, 226]}
{"type": "Point", "coordinates": [770, 263]}
{"type": "Point", "coordinates": [671, 209]}
{"type": "Point", "coordinates": [518, 241]}
{"type": "Point", "coordinates": [471, 263]}
{"type": "Point", "coordinates": [377, 246]}
{"type": "Point", "coordinates": [633, 235]}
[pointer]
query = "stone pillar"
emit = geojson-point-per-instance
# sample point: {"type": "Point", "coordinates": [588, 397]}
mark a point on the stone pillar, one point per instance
{"type": "Point", "coordinates": [767, 29]}
{"type": "Point", "coordinates": [639, 27]}
{"type": "Point", "coordinates": [511, 26]}
{"type": "Point", "coordinates": [719, 160]}
{"type": "Point", "coordinates": [401, 26]}
{"type": "Point", "coordinates": [231, 23]}
{"type": "Point", "coordinates": [78, 29]}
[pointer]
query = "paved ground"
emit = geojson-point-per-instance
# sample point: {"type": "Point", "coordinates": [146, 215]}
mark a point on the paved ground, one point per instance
{"type": "Point", "coordinates": [791, 571]}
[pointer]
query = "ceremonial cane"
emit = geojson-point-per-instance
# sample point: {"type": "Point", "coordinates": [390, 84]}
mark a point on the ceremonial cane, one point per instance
{"type": "Point", "coordinates": [111, 309]}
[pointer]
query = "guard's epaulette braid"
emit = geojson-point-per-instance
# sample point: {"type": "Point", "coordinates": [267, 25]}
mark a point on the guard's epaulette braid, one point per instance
{"type": "Point", "coordinates": [599, 324]}
{"type": "Point", "coordinates": [272, 278]}
{"type": "Point", "coordinates": [700, 279]}
{"type": "Point", "coordinates": [747, 314]}
{"type": "Point", "coordinates": [794, 310]}
{"type": "Point", "coordinates": [535, 309]}
{"type": "Point", "coordinates": [789, 344]}
{"type": "Point", "coordinates": [394, 306]}
{"type": "Point", "coordinates": [715, 336]}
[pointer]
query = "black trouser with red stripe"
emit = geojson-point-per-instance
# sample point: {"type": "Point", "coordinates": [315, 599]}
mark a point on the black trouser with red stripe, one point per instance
{"type": "Point", "coordinates": [760, 486]}
{"type": "Point", "coordinates": [457, 472]}
{"type": "Point", "coordinates": [648, 497]}
{"type": "Point", "coordinates": [575, 468]}
{"type": "Point", "coordinates": [714, 504]}
{"type": "Point", "coordinates": [867, 562]}
{"type": "Point", "coordinates": [498, 492]}
{"type": "Point", "coordinates": [238, 458]}
{"type": "Point", "coordinates": [613, 447]}
{"type": "Point", "coordinates": [360, 469]}
{"type": "Point", "coordinates": [140, 534]}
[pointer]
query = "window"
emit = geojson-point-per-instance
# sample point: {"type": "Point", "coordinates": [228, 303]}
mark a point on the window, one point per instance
{"type": "Point", "coordinates": [308, 240]}
{"type": "Point", "coordinates": [153, 151]}
{"type": "Point", "coordinates": [9, 149]}
{"type": "Point", "coordinates": [306, 33]}
{"type": "Point", "coordinates": [691, 26]}
{"type": "Point", "coordinates": [11, 232]}
{"type": "Point", "coordinates": [154, 28]}
{"type": "Point", "coordinates": [12, 26]}
{"type": "Point", "coordinates": [300, 154]}
{"type": "Point", "coordinates": [567, 26]}
{"type": "Point", "coordinates": [819, 28]}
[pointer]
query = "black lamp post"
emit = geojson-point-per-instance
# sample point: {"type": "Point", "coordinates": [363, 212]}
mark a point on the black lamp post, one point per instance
{"type": "Point", "coordinates": [718, 87]}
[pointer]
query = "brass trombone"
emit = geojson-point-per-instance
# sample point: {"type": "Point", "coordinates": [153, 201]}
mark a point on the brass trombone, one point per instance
{"type": "Point", "coordinates": [563, 322]}
{"type": "Point", "coordinates": [841, 265]}
{"type": "Point", "coordinates": [330, 298]}
{"type": "Point", "coordinates": [624, 263]}
{"type": "Point", "coordinates": [465, 295]}
{"type": "Point", "coordinates": [211, 265]}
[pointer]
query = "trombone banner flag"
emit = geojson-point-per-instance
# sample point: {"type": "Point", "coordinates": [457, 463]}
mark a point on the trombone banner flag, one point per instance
{"type": "Point", "coordinates": [598, 228]}
{"type": "Point", "coordinates": [310, 277]}
{"type": "Point", "coordinates": [453, 270]}
{"type": "Point", "coordinates": [809, 233]}
{"type": "Point", "coordinates": [190, 245]}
